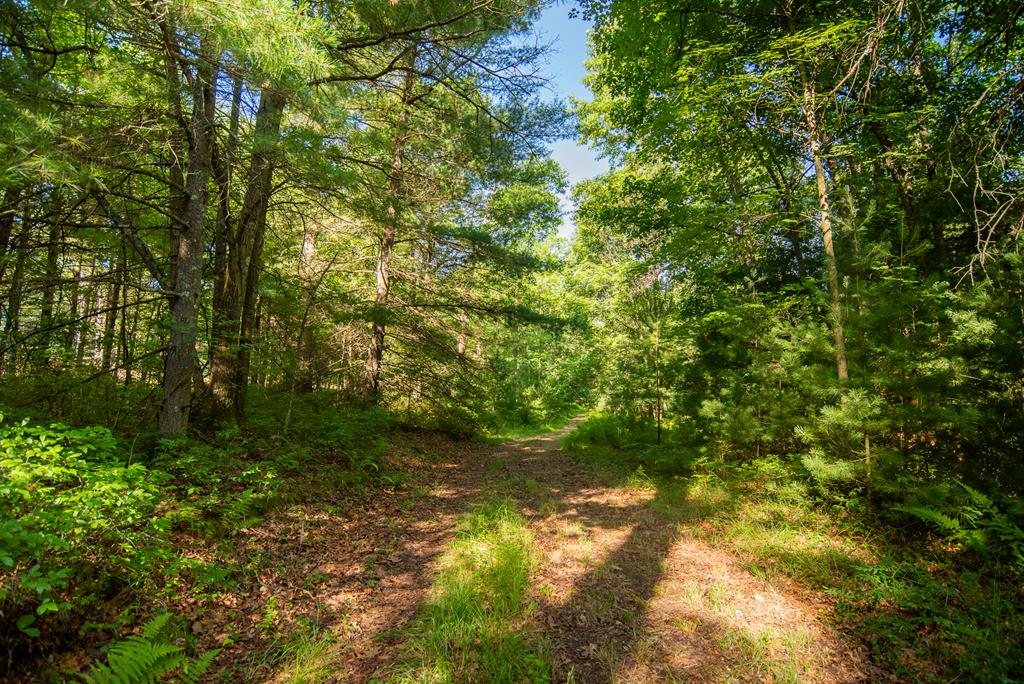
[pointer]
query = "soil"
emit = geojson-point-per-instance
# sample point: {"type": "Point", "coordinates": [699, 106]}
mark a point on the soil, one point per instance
{"type": "Point", "coordinates": [623, 594]}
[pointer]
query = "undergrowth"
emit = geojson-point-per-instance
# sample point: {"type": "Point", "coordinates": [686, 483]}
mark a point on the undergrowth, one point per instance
{"type": "Point", "coordinates": [92, 527]}
{"type": "Point", "coordinates": [935, 604]}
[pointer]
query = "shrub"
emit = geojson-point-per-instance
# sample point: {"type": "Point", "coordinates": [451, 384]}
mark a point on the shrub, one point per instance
{"type": "Point", "coordinates": [75, 520]}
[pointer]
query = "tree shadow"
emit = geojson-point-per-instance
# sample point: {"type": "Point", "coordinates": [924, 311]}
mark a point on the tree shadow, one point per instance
{"type": "Point", "coordinates": [615, 613]}
{"type": "Point", "coordinates": [615, 620]}
{"type": "Point", "coordinates": [599, 624]}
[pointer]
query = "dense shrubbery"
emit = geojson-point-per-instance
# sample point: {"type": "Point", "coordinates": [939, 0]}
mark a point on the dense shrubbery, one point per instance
{"type": "Point", "coordinates": [77, 521]}
{"type": "Point", "coordinates": [84, 517]}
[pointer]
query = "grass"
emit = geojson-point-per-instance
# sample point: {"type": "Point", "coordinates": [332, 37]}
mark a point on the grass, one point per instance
{"type": "Point", "coordinates": [924, 615]}
{"type": "Point", "coordinates": [305, 654]}
{"type": "Point", "coordinates": [473, 627]}
{"type": "Point", "coordinates": [512, 432]}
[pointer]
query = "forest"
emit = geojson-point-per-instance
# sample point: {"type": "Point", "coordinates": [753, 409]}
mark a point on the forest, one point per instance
{"type": "Point", "coordinates": [303, 377]}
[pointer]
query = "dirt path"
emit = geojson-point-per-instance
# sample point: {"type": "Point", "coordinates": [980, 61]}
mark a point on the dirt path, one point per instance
{"type": "Point", "coordinates": [629, 596]}
{"type": "Point", "coordinates": [623, 594]}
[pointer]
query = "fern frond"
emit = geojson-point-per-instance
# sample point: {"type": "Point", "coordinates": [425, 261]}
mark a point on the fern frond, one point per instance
{"type": "Point", "coordinates": [154, 627]}
{"type": "Point", "coordinates": [195, 669]}
{"type": "Point", "coordinates": [149, 657]}
{"type": "Point", "coordinates": [137, 660]}
{"type": "Point", "coordinates": [946, 524]}
{"type": "Point", "coordinates": [977, 498]}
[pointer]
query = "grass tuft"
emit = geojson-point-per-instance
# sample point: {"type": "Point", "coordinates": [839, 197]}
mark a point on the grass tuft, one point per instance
{"type": "Point", "coordinates": [473, 628]}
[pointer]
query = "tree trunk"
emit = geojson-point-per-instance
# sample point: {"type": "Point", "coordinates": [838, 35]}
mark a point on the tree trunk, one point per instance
{"type": "Point", "coordinates": [89, 309]}
{"type": "Point", "coordinates": [179, 197]}
{"type": "Point", "coordinates": [110, 320]}
{"type": "Point", "coordinates": [460, 348]}
{"type": "Point", "coordinates": [832, 268]}
{"type": "Point", "coordinates": [224, 326]}
{"type": "Point", "coordinates": [12, 324]}
{"type": "Point", "coordinates": [814, 139]}
{"type": "Point", "coordinates": [46, 313]}
{"type": "Point", "coordinates": [8, 211]}
{"type": "Point", "coordinates": [73, 334]}
{"type": "Point", "coordinates": [126, 349]}
{"type": "Point", "coordinates": [386, 241]}
{"type": "Point", "coordinates": [246, 260]}
{"type": "Point", "coordinates": [181, 360]}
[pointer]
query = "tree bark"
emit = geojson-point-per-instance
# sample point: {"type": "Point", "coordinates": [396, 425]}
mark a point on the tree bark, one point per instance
{"type": "Point", "coordinates": [224, 326]}
{"type": "Point", "coordinates": [246, 260]}
{"type": "Point", "coordinates": [73, 334]}
{"type": "Point", "coordinates": [46, 313]}
{"type": "Point", "coordinates": [832, 269]}
{"type": "Point", "coordinates": [11, 322]}
{"type": "Point", "coordinates": [460, 347]}
{"type": "Point", "coordinates": [110, 320]}
{"type": "Point", "coordinates": [814, 138]}
{"type": "Point", "coordinates": [8, 211]}
{"type": "Point", "coordinates": [181, 360]}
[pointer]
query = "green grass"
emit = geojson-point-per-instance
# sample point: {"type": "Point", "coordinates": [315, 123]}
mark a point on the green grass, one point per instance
{"type": "Point", "coordinates": [473, 627]}
{"type": "Point", "coordinates": [306, 653]}
{"type": "Point", "coordinates": [924, 615]}
{"type": "Point", "coordinates": [513, 432]}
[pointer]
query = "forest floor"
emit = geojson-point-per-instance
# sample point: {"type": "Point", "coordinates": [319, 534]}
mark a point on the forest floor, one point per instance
{"type": "Point", "coordinates": [617, 589]}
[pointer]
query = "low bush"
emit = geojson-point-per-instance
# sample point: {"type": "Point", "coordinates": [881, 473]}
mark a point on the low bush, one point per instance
{"type": "Point", "coordinates": [78, 522]}
{"type": "Point", "coordinates": [85, 520]}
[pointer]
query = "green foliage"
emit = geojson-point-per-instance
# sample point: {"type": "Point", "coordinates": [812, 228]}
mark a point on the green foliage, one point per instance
{"type": "Point", "coordinates": [227, 485]}
{"type": "Point", "coordinates": [601, 429]}
{"type": "Point", "coordinates": [76, 520]}
{"type": "Point", "coordinates": [80, 522]}
{"type": "Point", "coordinates": [626, 447]}
{"type": "Point", "coordinates": [467, 632]}
{"type": "Point", "coordinates": [149, 657]}
{"type": "Point", "coordinates": [976, 522]}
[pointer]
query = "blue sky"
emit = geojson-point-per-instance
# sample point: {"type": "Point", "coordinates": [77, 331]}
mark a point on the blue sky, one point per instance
{"type": "Point", "coordinates": [565, 69]}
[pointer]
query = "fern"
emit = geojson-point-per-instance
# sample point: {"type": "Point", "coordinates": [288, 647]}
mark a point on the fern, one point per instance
{"type": "Point", "coordinates": [155, 626]}
{"type": "Point", "coordinates": [148, 658]}
{"type": "Point", "coordinates": [948, 526]}
{"type": "Point", "coordinates": [194, 669]}
{"type": "Point", "coordinates": [978, 524]}
{"type": "Point", "coordinates": [977, 498]}
{"type": "Point", "coordinates": [137, 660]}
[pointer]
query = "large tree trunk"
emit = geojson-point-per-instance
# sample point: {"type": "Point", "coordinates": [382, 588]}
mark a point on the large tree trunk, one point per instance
{"type": "Point", "coordinates": [246, 260]}
{"type": "Point", "coordinates": [386, 240]}
{"type": "Point", "coordinates": [181, 360]}
{"type": "Point", "coordinates": [179, 198]}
